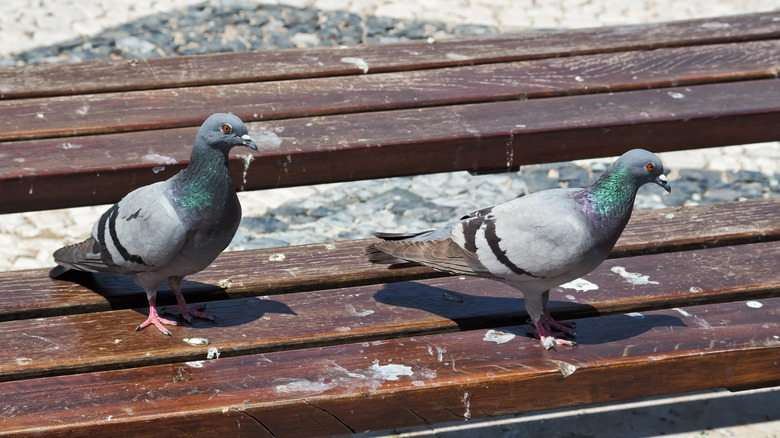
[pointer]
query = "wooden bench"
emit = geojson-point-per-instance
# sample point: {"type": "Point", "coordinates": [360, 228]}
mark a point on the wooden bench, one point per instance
{"type": "Point", "coordinates": [314, 341]}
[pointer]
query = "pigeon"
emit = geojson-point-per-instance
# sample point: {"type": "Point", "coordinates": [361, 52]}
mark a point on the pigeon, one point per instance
{"type": "Point", "coordinates": [171, 228]}
{"type": "Point", "coordinates": [535, 242]}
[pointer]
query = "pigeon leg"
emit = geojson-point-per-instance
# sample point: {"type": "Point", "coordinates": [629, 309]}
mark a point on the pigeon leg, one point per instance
{"type": "Point", "coordinates": [548, 330]}
{"type": "Point", "coordinates": [155, 319]}
{"type": "Point", "coordinates": [185, 310]}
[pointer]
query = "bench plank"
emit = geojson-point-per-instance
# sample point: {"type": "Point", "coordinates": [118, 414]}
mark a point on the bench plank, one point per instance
{"type": "Point", "coordinates": [53, 173]}
{"type": "Point", "coordinates": [105, 340]}
{"type": "Point", "coordinates": [122, 75]}
{"type": "Point", "coordinates": [169, 108]}
{"type": "Point", "coordinates": [31, 294]}
{"type": "Point", "coordinates": [411, 381]}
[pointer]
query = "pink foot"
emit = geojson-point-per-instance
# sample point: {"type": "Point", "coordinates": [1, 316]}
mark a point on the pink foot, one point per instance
{"type": "Point", "coordinates": [158, 322]}
{"type": "Point", "coordinates": [548, 331]}
{"type": "Point", "coordinates": [188, 312]}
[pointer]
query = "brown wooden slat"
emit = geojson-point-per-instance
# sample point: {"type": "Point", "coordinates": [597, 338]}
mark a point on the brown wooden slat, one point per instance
{"type": "Point", "coordinates": [122, 75]}
{"type": "Point", "coordinates": [106, 340]}
{"type": "Point", "coordinates": [410, 381]}
{"type": "Point", "coordinates": [55, 173]}
{"type": "Point", "coordinates": [189, 106]}
{"type": "Point", "coordinates": [31, 294]}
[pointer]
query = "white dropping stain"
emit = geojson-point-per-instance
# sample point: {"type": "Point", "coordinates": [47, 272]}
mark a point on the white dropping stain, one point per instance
{"type": "Point", "coordinates": [520, 126]}
{"type": "Point", "coordinates": [467, 404]}
{"type": "Point", "coordinates": [754, 304]}
{"type": "Point", "coordinates": [83, 110]}
{"type": "Point", "coordinates": [580, 285]}
{"type": "Point", "coordinates": [682, 312]}
{"type": "Point", "coordinates": [225, 283]}
{"type": "Point", "coordinates": [390, 371]}
{"type": "Point", "coordinates": [343, 329]}
{"type": "Point", "coordinates": [669, 216]}
{"type": "Point", "coordinates": [457, 57]}
{"type": "Point", "coordinates": [636, 315]}
{"type": "Point", "coordinates": [439, 353]}
{"type": "Point", "coordinates": [194, 363]}
{"type": "Point", "coordinates": [579, 79]}
{"type": "Point", "coordinates": [694, 289]}
{"type": "Point", "coordinates": [247, 161]}
{"type": "Point", "coordinates": [19, 160]}
{"type": "Point", "coordinates": [566, 368]}
{"type": "Point", "coordinates": [633, 277]}
{"type": "Point", "coordinates": [353, 311]}
{"type": "Point", "coordinates": [67, 146]}
{"type": "Point", "coordinates": [335, 375]}
{"type": "Point", "coordinates": [30, 192]}
{"type": "Point", "coordinates": [276, 257]}
{"type": "Point", "coordinates": [265, 139]}
{"type": "Point", "coordinates": [357, 62]}
{"type": "Point", "coordinates": [330, 247]}
{"type": "Point", "coordinates": [498, 337]}
{"type": "Point", "coordinates": [197, 342]}
{"type": "Point", "coordinates": [159, 159]}
{"type": "Point", "coordinates": [715, 25]}
{"type": "Point", "coordinates": [418, 383]}
{"type": "Point", "coordinates": [571, 297]}
{"type": "Point", "coordinates": [212, 353]}
{"type": "Point", "coordinates": [675, 95]}
{"type": "Point", "coordinates": [22, 361]}
{"type": "Point", "coordinates": [40, 116]}
{"type": "Point", "coordinates": [304, 385]}
{"type": "Point", "coordinates": [158, 169]}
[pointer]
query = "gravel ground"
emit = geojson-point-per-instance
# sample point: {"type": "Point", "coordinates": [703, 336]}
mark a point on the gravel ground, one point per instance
{"type": "Point", "coordinates": [49, 31]}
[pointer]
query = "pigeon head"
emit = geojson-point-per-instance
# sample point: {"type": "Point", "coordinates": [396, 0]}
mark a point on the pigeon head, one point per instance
{"type": "Point", "coordinates": [223, 132]}
{"type": "Point", "coordinates": [643, 167]}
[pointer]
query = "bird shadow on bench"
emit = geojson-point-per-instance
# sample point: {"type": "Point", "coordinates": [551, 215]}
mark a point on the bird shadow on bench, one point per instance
{"type": "Point", "coordinates": [471, 312]}
{"type": "Point", "coordinates": [122, 293]}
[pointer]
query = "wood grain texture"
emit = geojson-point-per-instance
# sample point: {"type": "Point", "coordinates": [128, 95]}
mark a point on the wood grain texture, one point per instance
{"type": "Point", "coordinates": [31, 294]}
{"type": "Point", "coordinates": [54, 173]}
{"type": "Point", "coordinates": [410, 381]}
{"type": "Point", "coordinates": [106, 340]}
{"type": "Point", "coordinates": [102, 113]}
{"type": "Point", "coordinates": [226, 68]}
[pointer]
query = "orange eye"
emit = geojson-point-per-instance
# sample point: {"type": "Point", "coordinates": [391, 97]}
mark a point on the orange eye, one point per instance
{"type": "Point", "coordinates": [650, 167]}
{"type": "Point", "coordinates": [226, 128]}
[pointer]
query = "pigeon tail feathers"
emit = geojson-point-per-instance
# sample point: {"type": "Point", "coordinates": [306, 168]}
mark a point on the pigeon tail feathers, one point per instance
{"type": "Point", "coordinates": [82, 256]}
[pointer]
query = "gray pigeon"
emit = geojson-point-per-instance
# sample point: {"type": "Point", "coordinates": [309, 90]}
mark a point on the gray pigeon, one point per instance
{"type": "Point", "coordinates": [172, 228]}
{"type": "Point", "coordinates": [535, 242]}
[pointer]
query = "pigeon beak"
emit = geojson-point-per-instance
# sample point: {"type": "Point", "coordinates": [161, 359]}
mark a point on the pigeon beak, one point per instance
{"type": "Point", "coordinates": [661, 181]}
{"type": "Point", "coordinates": [248, 142]}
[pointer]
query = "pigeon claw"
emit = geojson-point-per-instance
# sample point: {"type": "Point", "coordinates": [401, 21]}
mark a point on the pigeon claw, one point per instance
{"type": "Point", "coordinates": [188, 312]}
{"type": "Point", "coordinates": [550, 331]}
{"type": "Point", "coordinates": [154, 319]}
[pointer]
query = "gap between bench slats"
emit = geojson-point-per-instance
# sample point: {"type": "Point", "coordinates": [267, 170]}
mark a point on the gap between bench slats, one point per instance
{"type": "Point", "coordinates": [56, 173]}
{"type": "Point", "coordinates": [170, 108]}
{"type": "Point", "coordinates": [106, 340]}
{"type": "Point", "coordinates": [94, 77]}
{"type": "Point", "coordinates": [31, 294]}
{"type": "Point", "coordinates": [411, 381]}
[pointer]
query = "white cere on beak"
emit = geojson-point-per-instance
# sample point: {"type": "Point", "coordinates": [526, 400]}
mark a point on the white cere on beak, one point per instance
{"type": "Point", "coordinates": [246, 137]}
{"type": "Point", "coordinates": [662, 177]}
